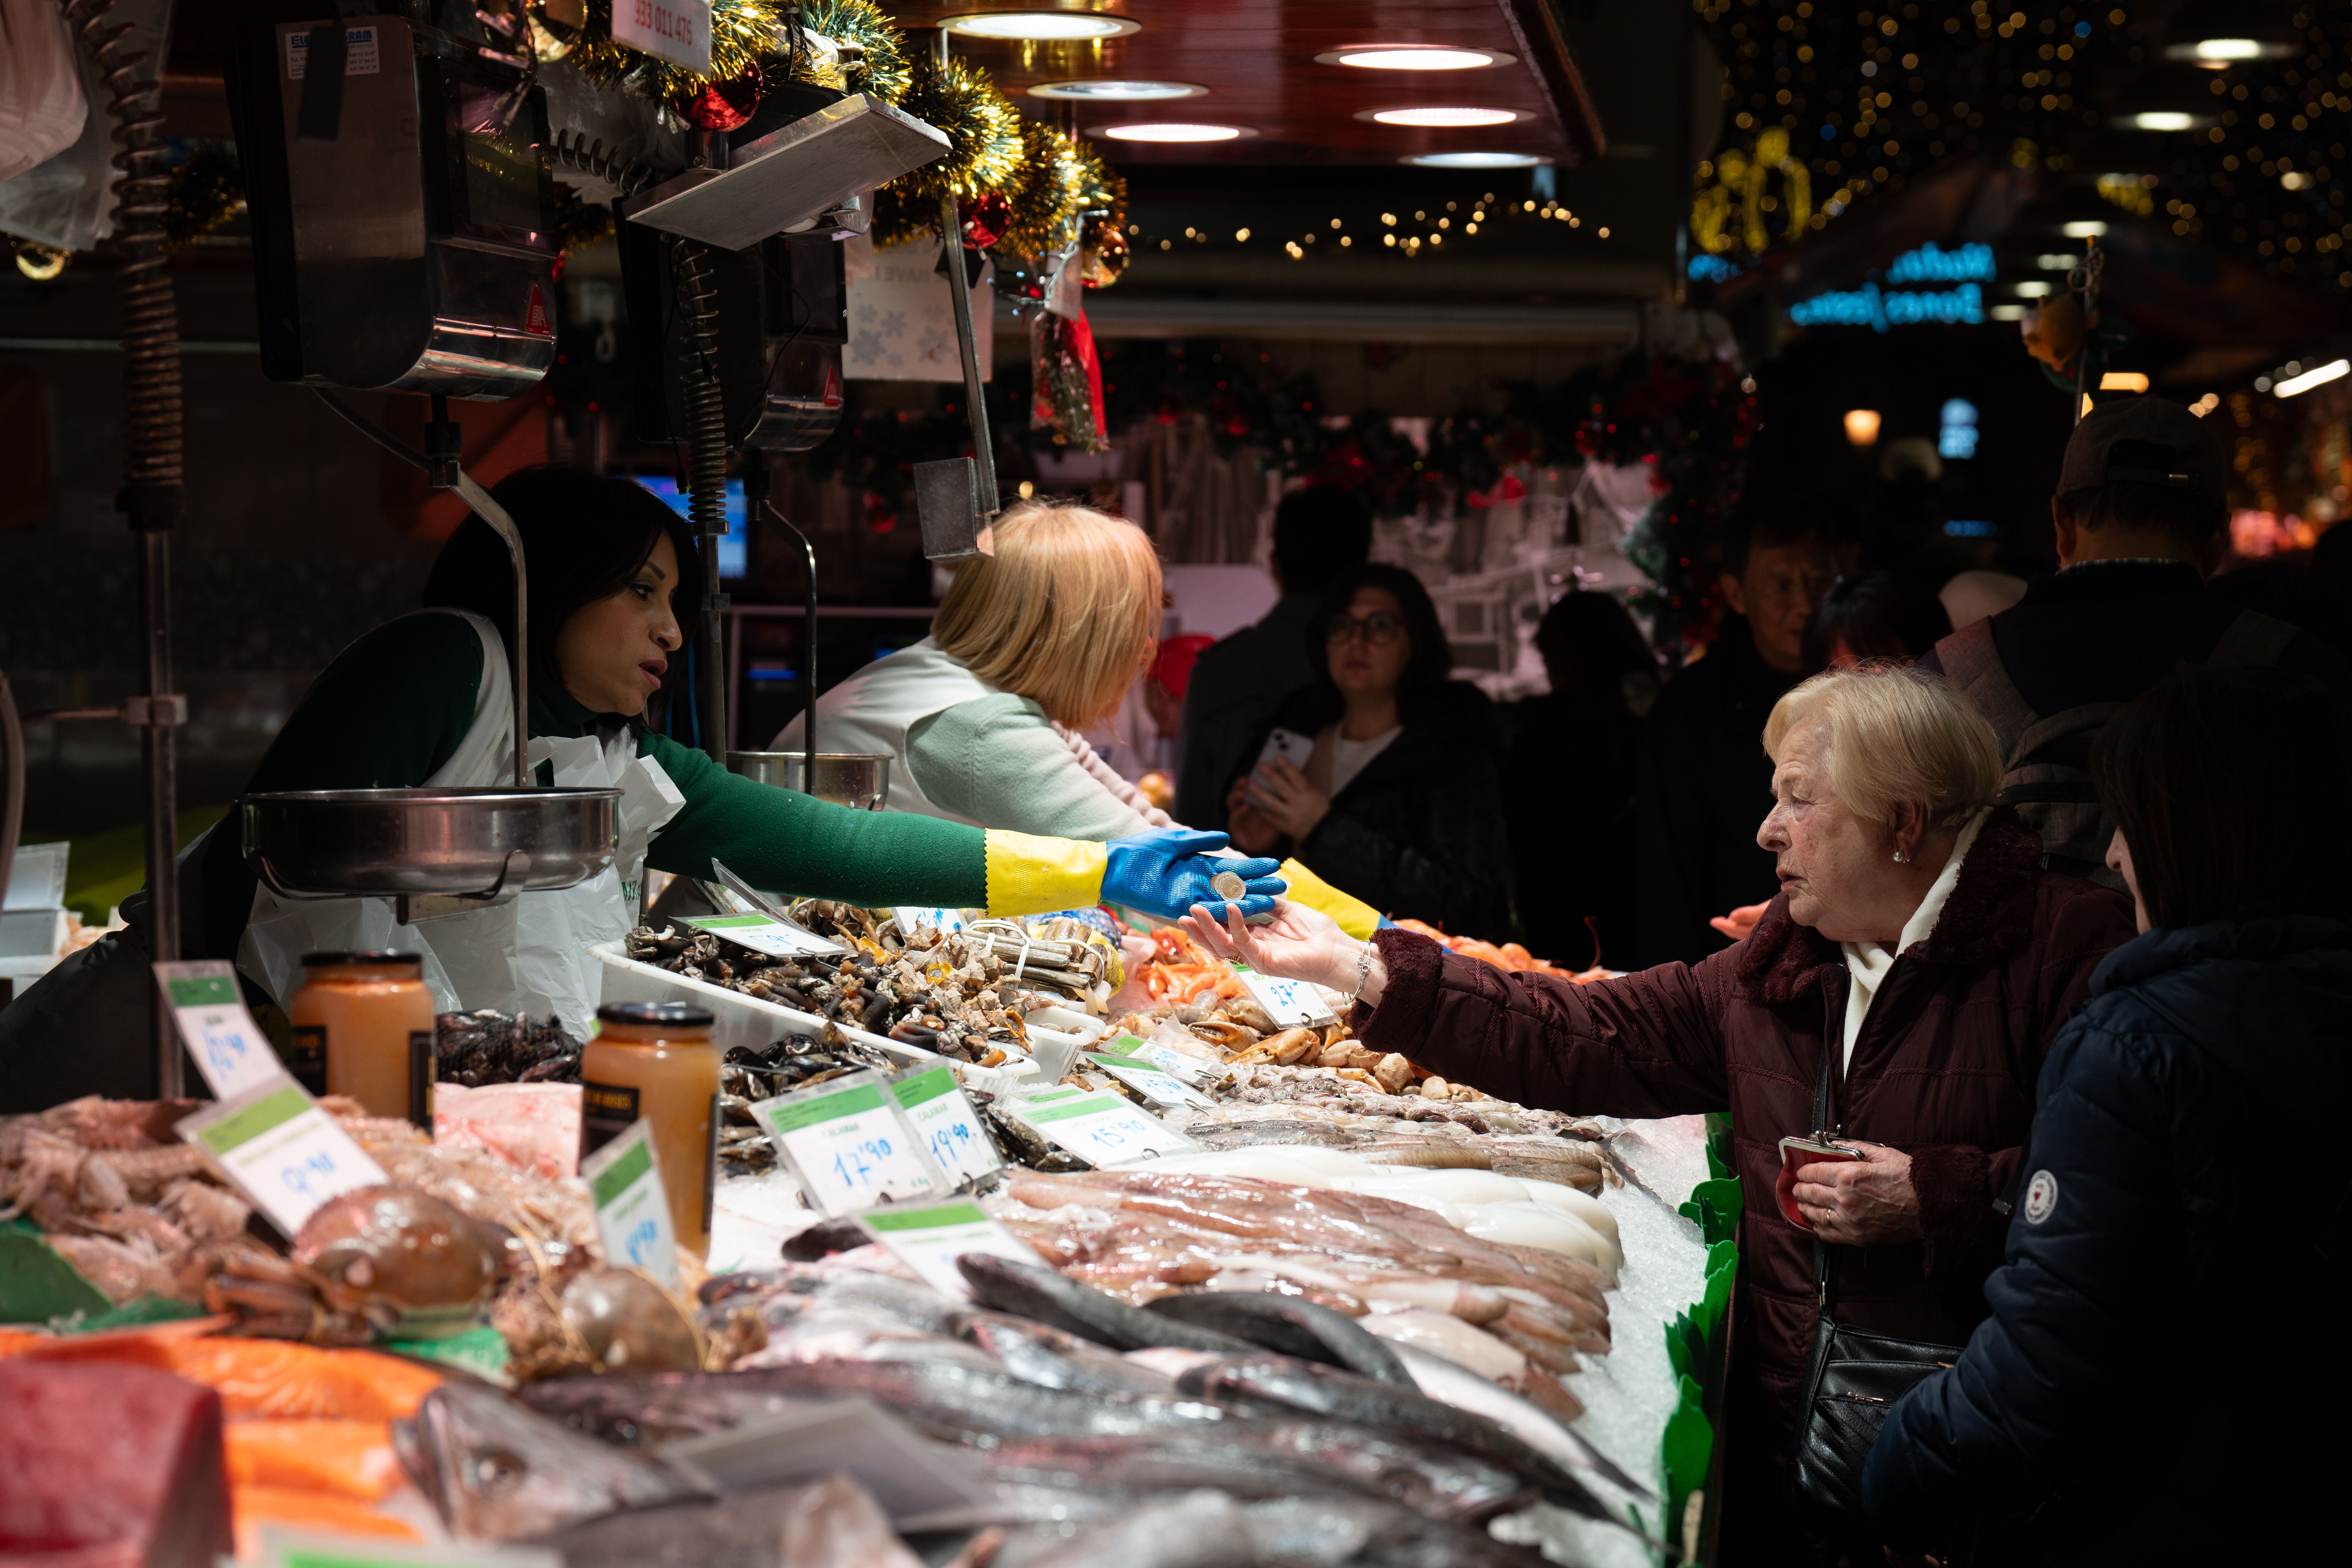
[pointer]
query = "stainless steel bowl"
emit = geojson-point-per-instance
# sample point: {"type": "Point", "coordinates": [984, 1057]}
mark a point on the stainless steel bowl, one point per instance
{"type": "Point", "coordinates": [857, 779]}
{"type": "Point", "coordinates": [389, 843]}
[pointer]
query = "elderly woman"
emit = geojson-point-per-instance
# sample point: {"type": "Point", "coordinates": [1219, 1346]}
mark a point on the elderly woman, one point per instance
{"type": "Point", "coordinates": [1916, 946]}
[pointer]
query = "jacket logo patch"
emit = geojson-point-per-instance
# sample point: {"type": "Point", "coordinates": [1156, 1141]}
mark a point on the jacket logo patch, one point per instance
{"type": "Point", "coordinates": [2040, 1198]}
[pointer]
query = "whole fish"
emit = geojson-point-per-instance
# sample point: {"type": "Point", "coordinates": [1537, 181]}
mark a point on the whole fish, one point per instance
{"type": "Point", "coordinates": [823, 1525]}
{"type": "Point", "coordinates": [1441, 1380]}
{"type": "Point", "coordinates": [1040, 1354]}
{"type": "Point", "coordinates": [1033, 1290]}
{"type": "Point", "coordinates": [1192, 1529]}
{"type": "Point", "coordinates": [1274, 1459]}
{"type": "Point", "coordinates": [1408, 1413]}
{"type": "Point", "coordinates": [1367, 1532]}
{"type": "Point", "coordinates": [494, 1468]}
{"type": "Point", "coordinates": [782, 1293]}
{"type": "Point", "coordinates": [1290, 1325]}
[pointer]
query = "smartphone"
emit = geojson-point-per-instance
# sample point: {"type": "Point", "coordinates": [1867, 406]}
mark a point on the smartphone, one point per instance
{"type": "Point", "coordinates": [1288, 744]}
{"type": "Point", "coordinates": [1795, 1152]}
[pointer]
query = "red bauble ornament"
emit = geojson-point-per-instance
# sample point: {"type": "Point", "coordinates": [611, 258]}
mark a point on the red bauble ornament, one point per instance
{"type": "Point", "coordinates": [985, 219]}
{"type": "Point", "coordinates": [726, 105]}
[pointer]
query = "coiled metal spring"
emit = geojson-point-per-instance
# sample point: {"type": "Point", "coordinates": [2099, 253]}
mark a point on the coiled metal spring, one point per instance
{"type": "Point", "coordinates": [575, 150]}
{"type": "Point", "coordinates": [706, 411]}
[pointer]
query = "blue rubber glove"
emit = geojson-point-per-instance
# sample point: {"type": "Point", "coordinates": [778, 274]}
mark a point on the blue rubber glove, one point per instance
{"type": "Point", "coordinates": [1166, 871]}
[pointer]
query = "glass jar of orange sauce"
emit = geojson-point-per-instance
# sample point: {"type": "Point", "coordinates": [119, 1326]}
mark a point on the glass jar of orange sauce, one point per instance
{"type": "Point", "coordinates": [655, 1060]}
{"type": "Point", "coordinates": [363, 1027]}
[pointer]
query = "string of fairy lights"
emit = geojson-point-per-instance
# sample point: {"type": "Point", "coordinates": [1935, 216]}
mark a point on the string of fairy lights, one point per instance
{"type": "Point", "coordinates": [1428, 229]}
{"type": "Point", "coordinates": [1827, 108]}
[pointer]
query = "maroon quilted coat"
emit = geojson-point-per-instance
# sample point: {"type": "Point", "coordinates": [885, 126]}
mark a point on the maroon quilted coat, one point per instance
{"type": "Point", "coordinates": [1944, 1069]}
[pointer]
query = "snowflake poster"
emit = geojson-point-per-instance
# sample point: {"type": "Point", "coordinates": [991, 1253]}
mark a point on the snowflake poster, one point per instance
{"type": "Point", "coordinates": [902, 320]}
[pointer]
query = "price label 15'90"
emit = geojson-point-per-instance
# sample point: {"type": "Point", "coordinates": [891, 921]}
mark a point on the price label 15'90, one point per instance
{"type": "Point", "coordinates": [1102, 1129]}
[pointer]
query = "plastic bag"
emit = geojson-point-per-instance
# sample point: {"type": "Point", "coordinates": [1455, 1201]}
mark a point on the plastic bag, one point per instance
{"type": "Point", "coordinates": [42, 106]}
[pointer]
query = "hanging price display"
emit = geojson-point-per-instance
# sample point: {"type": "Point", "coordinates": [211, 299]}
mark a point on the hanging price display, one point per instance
{"type": "Point", "coordinates": [1176, 1064]}
{"type": "Point", "coordinates": [676, 30]}
{"type": "Point", "coordinates": [632, 1211]}
{"type": "Point", "coordinates": [936, 1107]}
{"type": "Point", "coordinates": [1101, 1128]}
{"type": "Point", "coordinates": [1290, 1002]}
{"type": "Point", "coordinates": [281, 1151]}
{"type": "Point", "coordinates": [229, 1047]}
{"type": "Point", "coordinates": [1148, 1082]}
{"type": "Point", "coordinates": [931, 1238]}
{"type": "Point", "coordinates": [762, 933]}
{"type": "Point", "coordinates": [849, 1145]}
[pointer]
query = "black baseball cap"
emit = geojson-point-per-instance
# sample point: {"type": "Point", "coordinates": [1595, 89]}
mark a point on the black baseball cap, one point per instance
{"type": "Point", "coordinates": [2160, 443]}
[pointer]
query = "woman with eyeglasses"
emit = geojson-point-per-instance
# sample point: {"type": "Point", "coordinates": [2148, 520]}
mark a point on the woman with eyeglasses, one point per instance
{"type": "Point", "coordinates": [1384, 776]}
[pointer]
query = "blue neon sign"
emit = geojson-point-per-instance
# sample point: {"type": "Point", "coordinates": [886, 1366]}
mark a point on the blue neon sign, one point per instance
{"type": "Point", "coordinates": [1932, 264]}
{"type": "Point", "coordinates": [1869, 305]}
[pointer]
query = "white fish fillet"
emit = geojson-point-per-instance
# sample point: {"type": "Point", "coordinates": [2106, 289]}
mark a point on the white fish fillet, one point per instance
{"type": "Point", "coordinates": [1531, 1224]}
{"type": "Point", "coordinates": [1451, 1338]}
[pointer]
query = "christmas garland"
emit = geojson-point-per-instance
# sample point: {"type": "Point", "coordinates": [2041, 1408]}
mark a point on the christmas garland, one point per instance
{"type": "Point", "coordinates": [983, 128]}
{"type": "Point", "coordinates": [884, 72]}
{"type": "Point", "coordinates": [1049, 194]}
{"type": "Point", "coordinates": [742, 32]}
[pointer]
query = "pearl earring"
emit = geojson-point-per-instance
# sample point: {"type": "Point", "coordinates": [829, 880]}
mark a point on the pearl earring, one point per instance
{"type": "Point", "coordinates": [1900, 859]}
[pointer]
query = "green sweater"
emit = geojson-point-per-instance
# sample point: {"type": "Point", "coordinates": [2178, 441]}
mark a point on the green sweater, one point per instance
{"type": "Point", "coordinates": [393, 707]}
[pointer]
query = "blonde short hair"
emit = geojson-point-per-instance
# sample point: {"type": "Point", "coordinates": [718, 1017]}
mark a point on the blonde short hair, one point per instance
{"type": "Point", "coordinates": [1896, 734]}
{"type": "Point", "coordinates": [1065, 613]}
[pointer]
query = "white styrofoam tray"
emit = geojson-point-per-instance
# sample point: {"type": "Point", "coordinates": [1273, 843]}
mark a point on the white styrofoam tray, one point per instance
{"type": "Point", "coordinates": [741, 1020]}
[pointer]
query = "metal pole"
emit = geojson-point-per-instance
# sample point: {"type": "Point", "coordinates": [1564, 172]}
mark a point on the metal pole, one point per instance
{"type": "Point", "coordinates": [984, 449]}
{"type": "Point", "coordinates": [160, 751]}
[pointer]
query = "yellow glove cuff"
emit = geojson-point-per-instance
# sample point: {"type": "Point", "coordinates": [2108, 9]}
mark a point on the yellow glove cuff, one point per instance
{"type": "Point", "coordinates": [1032, 876]}
{"type": "Point", "coordinates": [1356, 917]}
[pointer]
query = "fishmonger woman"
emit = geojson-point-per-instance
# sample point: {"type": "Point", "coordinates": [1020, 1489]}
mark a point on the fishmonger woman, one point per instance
{"type": "Point", "coordinates": [427, 700]}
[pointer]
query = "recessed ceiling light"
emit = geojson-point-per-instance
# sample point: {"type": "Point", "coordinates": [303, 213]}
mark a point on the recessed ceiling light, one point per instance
{"type": "Point", "coordinates": [2057, 261]}
{"type": "Point", "coordinates": [1106, 90]}
{"type": "Point", "coordinates": [1414, 57]}
{"type": "Point", "coordinates": [2032, 289]}
{"type": "Point", "coordinates": [2007, 312]}
{"type": "Point", "coordinates": [1478, 159]}
{"type": "Point", "coordinates": [2295, 386]}
{"type": "Point", "coordinates": [1173, 131]}
{"type": "Point", "coordinates": [1445, 117]}
{"type": "Point", "coordinates": [1037, 26]}
{"type": "Point", "coordinates": [2087, 229]}
{"type": "Point", "coordinates": [2215, 54]}
{"type": "Point", "coordinates": [2161, 119]}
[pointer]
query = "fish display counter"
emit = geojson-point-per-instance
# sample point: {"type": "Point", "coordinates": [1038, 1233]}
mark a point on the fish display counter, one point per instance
{"type": "Point", "coordinates": [1053, 1243]}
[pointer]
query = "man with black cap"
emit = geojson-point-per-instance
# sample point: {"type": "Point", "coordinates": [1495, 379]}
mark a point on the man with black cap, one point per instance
{"type": "Point", "coordinates": [2142, 520]}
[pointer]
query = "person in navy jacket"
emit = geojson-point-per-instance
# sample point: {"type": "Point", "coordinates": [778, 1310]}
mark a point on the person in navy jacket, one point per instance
{"type": "Point", "coordinates": [2161, 1378]}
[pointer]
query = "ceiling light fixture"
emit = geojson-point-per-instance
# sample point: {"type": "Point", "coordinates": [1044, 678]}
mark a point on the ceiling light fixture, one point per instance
{"type": "Point", "coordinates": [1414, 57]}
{"type": "Point", "coordinates": [1478, 161]}
{"type": "Point", "coordinates": [1173, 131]}
{"type": "Point", "coordinates": [1107, 90]}
{"type": "Point", "coordinates": [2057, 261]}
{"type": "Point", "coordinates": [2007, 312]}
{"type": "Point", "coordinates": [2123, 381]}
{"type": "Point", "coordinates": [1862, 427]}
{"type": "Point", "coordinates": [2218, 54]}
{"type": "Point", "coordinates": [2161, 119]}
{"type": "Point", "coordinates": [2295, 385]}
{"type": "Point", "coordinates": [2032, 289]}
{"type": "Point", "coordinates": [1440, 117]}
{"type": "Point", "coordinates": [2088, 228]}
{"type": "Point", "coordinates": [1039, 27]}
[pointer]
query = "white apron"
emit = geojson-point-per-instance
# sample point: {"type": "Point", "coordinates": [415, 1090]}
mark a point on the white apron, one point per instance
{"type": "Point", "coordinates": [530, 954]}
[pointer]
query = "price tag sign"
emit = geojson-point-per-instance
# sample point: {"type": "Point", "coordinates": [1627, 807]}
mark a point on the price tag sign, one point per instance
{"type": "Point", "coordinates": [1047, 1095]}
{"type": "Point", "coordinates": [931, 1238]}
{"type": "Point", "coordinates": [1148, 1082]}
{"type": "Point", "coordinates": [944, 1119]}
{"type": "Point", "coordinates": [281, 1151]}
{"type": "Point", "coordinates": [1290, 1002]}
{"type": "Point", "coordinates": [1176, 1064]}
{"type": "Point", "coordinates": [849, 1145]}
{"type": "Point", "coordinates": [632, 1210]}
{"type": "Point", "coordinates": [1102, 1129]}
{"type": "Point", "coordinates": [676, 30]}
{"type": "Point", "coordinates": [230, 1049]}
{"type": "Point", "coordinates": [761, 933]}
{"type": "Point", "coordinates": [913, 918]}
{"type": "Point", "coordinates": [284, 1548]}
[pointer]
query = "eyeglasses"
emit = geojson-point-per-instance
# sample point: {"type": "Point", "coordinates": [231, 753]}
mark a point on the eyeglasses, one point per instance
{"type": "Point", "coordinates": [1378, 631]}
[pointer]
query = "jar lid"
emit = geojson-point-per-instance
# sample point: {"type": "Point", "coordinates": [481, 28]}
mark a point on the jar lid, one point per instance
{"type": "Point", "coordinates": [359, 955]}
{"type": "Point", "coordinates": [685, 1014]}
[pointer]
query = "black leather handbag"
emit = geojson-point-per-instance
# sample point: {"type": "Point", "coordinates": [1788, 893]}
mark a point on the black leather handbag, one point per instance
{"type": "Point", "coordinates": [1851, 1379]}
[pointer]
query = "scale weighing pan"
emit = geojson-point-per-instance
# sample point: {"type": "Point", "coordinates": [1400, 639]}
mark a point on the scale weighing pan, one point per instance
{"type": "Point", "coordinates": [477, 844]}
{"type": "Point", "coordinates": [860, 779]}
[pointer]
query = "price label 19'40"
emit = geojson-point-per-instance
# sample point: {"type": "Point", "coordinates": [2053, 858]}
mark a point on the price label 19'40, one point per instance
{"type": "Point", "coordinates": [1101, 1128]}
{"type": "Point", "coordinates": [228, 1047]}
{"type": "Point", "coordinates": [632, 1210]}
{"type": "Point", "coordinates": [936, 1107]}
{"type": "Point", "coordinates": [929, 1238]}
{"type": "Point", "coordinates": [281, 1151]}
{"type": "Point", "coordinates": [849, 1145]}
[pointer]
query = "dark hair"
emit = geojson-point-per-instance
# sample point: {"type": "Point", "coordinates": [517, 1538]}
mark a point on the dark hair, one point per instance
{"type": "Point", "coordinates": [1775, 521]}
{"type": "Point", "coordinates": [1319, 533]}
{"type": "Point", "coordinates": [1591, 637]}
{"type": "Point", "coordinates": [1883, 615]}
{"type": "Point", "coordinates": [583, 537]}
{"type": "Point", "coordinates": [2176, 514]}
{"type": "Point", "coordinates": [2228, 785]}
{"type": "Point", "coordinates": [1432, 661]}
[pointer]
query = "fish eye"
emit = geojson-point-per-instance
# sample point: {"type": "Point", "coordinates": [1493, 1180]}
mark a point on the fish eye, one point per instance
{"type": "Point", "coordinates": [495, 1474]}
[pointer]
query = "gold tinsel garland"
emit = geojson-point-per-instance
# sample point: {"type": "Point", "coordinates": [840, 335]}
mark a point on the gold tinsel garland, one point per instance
{"type": "Point", "coordinates": [983, 128]}
{"type": "Point", "coordinates": [1049, 194]}
{"type": "Point", "coordinates": [884, 72]}
{"type": "Point", "coordinates": [742, 33]}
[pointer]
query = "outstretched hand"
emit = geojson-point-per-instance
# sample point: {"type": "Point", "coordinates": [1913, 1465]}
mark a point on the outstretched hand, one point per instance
{"type": "Point", "coordinates": [1166, 871]}
{"type": "Point", "coordinates": [1298, 944]}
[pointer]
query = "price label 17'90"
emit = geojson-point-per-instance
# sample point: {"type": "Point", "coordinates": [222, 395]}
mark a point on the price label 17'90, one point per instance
{"type": "Point", "coordinates": [849, 1145]}
{"type": "Point", "coordinates": [281, 1151]}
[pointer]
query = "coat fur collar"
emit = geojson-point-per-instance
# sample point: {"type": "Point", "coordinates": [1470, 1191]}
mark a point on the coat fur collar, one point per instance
{"type": "Point", "coordinates": [1990, 911]}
